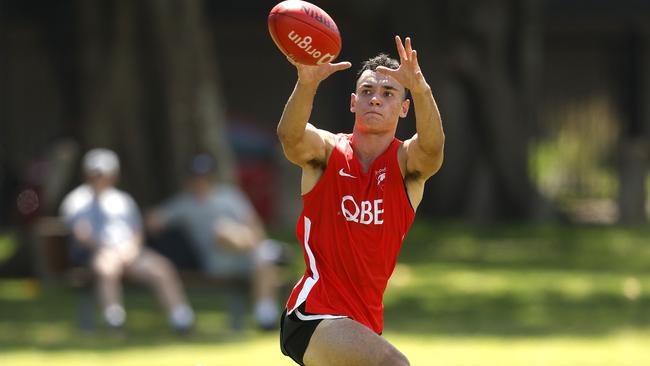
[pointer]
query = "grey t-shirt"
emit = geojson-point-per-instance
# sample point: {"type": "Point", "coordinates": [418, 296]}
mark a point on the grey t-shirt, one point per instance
{"type": "Point", "coordinates": [198, 219]}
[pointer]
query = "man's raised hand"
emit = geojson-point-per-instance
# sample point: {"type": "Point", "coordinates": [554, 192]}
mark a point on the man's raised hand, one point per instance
{"type": "Point", "coordinates": [314, 74]}
{"type": "Point", "coordinates": [408, 74]}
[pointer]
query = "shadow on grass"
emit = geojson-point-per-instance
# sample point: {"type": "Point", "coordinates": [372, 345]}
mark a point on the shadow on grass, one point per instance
{"type": "Point", "coordinates": [48, 323]}
{"type": "Point", "coordinates": [525, 265]}
{"type": "Point", "coordinates": [542, 246]}
{"type": "Point", "coordinates": [549, 314]}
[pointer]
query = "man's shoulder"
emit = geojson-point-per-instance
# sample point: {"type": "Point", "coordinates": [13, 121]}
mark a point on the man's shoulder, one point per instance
{"type": "Point", "coordinates": [76, 199]}
{"type": "Point", "coordinates": [114, 196]}
{"type": "Point", "coordinates": [229, 192]}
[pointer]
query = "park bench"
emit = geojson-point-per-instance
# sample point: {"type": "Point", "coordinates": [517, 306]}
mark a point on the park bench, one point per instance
{"type": "Point", "coordinates": [55, 267]}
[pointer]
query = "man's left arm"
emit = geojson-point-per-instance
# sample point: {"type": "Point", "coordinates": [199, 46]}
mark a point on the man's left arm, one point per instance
{"type": "Point", "coordinates": [245, 230]}
{"type": "Point", "coordinates": [424, 151]}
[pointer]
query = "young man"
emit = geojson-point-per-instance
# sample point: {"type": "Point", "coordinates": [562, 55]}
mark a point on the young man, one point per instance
{"type": "Point", "coordinates": [227, 234]}
{"type": "Point", "coordinates": [360, 192]}
{"type": "Point", "coordinates": [105, 222]}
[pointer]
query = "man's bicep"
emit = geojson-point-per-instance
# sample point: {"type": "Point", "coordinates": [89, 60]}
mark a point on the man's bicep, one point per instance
{"type": "Point", "coordinates": [419, 162]}
{"type": "Point", "coordinates": [312, 146]}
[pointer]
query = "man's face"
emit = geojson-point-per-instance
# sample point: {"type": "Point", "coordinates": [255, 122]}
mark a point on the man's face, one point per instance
{"type": "Point", "coordinates": [201, 184]}
{"type": "Point", "coordinates": [378, 102]}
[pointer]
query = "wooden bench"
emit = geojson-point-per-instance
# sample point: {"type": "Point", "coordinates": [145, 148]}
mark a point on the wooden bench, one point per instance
{"type": "Point", "coordinates": [55, 267]}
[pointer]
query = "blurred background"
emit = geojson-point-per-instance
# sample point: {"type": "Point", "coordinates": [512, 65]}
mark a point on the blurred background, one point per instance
{"type": "Point", "coordinates": [531, 243]}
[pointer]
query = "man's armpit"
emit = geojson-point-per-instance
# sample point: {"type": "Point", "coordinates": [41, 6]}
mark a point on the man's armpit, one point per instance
{"type": "Point", "coordinates": [414, 175]}
{"type": "Point", "coordinates": [317, 164]}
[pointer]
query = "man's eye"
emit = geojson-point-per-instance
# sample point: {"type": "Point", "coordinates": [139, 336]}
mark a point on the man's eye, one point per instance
{"type": "Point", "coordinates": [388, 94]}
{"type": "Point", "coordinates": [365, 92]}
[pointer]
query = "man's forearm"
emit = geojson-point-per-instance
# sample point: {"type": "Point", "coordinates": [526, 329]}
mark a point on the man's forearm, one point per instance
{"type": "Point", "coordinates": [428, 123]}
{"type": "Point", "coordinates": [296, 113]}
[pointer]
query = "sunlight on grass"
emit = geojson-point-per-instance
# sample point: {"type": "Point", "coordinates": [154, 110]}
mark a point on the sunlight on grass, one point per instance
{"type": "Point", "coordinates": [571, 284]}
{"type": "Point", "coordinates": [460, 296]}
{"type": "Point", "coordinates": [23, 289]}
{"type": "Point", "coordinates": [625, 349]}
{"type": "Point", "coordinates": [260, 350]}
{"type": "Point", "coordinates": [622, 349]}
{"type": "Point", "coordinates": [7, 246]}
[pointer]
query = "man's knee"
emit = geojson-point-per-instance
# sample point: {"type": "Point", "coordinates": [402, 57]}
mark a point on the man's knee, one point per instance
{"type": "Point", "coordinates": [106, 269]}
{"type": "Point", "coordinates": [394, 357]}
{"type": "Point", "coordinates": [159, 268]}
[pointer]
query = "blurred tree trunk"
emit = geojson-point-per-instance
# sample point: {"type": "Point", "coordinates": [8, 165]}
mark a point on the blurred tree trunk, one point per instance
{"type": "Point", "coordinates": [192, 98]}
{"type": "Point", "coordinates": [506, 97]}
{"type": "Point", "coordinates": [121, 108]}
{"type": "Point", "coordinates": [94, 50]}
{"type": "Point", "coordinates": [126, 98]}
{"type": "Point", "coordinates": [633, 146]}
{"type": "Point", "coordinates": [111, 109]}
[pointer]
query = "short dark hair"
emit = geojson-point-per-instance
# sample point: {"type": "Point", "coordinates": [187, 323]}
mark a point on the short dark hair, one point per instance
{"type": "Point", "coordinates": [384, 60]}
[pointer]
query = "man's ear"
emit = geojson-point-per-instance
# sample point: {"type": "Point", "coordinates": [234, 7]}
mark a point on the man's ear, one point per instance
{"type": "Point", "coordinates": [405, 108]}
{"type": "Point", "coordinates": [353, 102]}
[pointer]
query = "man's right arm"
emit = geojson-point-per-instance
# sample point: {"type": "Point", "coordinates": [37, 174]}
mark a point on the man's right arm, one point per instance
{"type": "Point", "coordinates": [164, 215]}
{"type": "Point", "coordinates": [301, 141]}
{"type": "Point", "coordinates": [79, 226]}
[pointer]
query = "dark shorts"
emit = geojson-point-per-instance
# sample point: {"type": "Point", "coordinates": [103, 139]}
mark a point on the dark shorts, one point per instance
{"type": "Point", "coordinates": [295, 334]}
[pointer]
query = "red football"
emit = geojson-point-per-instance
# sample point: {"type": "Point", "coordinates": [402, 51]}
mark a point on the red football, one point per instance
{"type": "Point", "coordinates": [304, 32]}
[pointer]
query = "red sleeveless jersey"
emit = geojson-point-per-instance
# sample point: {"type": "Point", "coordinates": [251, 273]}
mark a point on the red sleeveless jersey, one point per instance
{"type": "Point", "coordinates": [351, 228]}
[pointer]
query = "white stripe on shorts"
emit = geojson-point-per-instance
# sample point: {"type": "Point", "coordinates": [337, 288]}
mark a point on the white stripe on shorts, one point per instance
{"type": "Point", "coordinates": [302, 316]}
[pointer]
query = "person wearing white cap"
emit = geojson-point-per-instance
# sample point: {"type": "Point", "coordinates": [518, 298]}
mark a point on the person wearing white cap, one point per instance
{"type": "Point", "coordinates": [106, 223]}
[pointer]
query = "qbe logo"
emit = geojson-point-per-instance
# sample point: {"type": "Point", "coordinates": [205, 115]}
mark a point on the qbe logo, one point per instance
{"type": "Point", "coordinates": [369, 212]}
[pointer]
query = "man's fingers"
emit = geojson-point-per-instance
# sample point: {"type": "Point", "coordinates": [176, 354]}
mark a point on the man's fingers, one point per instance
{"type": "Point", "coordinates": [292, 61]}
{"type": "Point", "coordinates": [409, 49]}
{"type": "Point", "coordinates": [341, 66]}
{"type": "Point", "coordinates": [400, 49]}
{"type": "Point", "coordinates": [386, 71]}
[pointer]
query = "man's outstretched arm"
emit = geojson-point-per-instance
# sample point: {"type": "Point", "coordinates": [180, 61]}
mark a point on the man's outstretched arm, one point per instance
{"type": "Point", "coordinates": [301, 141]}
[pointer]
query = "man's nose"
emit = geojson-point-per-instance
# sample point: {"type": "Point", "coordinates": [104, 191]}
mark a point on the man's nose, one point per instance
{"type": "Point", "coordinates": [374, 101]}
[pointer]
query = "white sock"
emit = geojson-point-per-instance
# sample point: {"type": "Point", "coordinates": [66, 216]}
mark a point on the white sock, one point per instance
{"type": "Point", "coordinates": [268, 251]}
{"type": "Point", "coordinates": [115, 315]}
{"type": "Point", "coordinates": [266, 312]}
{"type": "Point", "coordinates": [181, 317]}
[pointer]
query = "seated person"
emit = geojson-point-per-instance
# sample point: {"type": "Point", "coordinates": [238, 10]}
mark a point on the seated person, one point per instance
{"type": "Point", "coordinates": [226, 232]}
{"type": "Point", "coordinates": [106, 224]}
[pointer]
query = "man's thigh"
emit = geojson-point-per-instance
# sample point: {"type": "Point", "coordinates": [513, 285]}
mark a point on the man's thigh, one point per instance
{"type": "Point", "coordinates": [106, 262]}
{"type": "Point", "coordinates": [347, 342]}
{"type": "Point", "coordinates": [147, 266]}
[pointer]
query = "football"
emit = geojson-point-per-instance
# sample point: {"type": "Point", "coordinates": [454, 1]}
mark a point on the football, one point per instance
{"type": "Point", "coordinates": [304, 32]}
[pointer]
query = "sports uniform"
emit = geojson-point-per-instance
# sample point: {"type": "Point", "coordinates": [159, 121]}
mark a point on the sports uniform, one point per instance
{"type": "Point", "coordinates": [351, 228]}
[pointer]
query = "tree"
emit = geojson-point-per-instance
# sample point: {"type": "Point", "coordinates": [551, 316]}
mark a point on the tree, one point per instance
{"type": "Point", "coordinates": [150, 90]}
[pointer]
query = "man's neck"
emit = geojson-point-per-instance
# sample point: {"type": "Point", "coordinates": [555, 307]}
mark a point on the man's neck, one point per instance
{"type": "Point", "coordinates": [201, 194]}
{"type": "Point", "coordinates": [367, 147]}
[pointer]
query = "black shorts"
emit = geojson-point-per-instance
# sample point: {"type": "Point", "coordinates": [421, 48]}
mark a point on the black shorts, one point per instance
{"type": "Point", "coordinates": [295, 334]}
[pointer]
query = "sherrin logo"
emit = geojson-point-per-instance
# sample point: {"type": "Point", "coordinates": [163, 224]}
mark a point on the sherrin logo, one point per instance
{"type": "Point", "coordinates": [368, 213]}
{"type": "Point", "coordinates": [322, 19]}
{"type": "Point", "coordinates": [305, 44]}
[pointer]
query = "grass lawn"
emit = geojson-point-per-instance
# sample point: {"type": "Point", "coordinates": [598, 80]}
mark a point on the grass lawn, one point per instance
{"type": "Point", "coordinates": [505, 295]}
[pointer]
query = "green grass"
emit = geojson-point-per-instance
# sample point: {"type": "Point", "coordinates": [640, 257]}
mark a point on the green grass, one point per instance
{"type": "Point", "coordinates": [461, 295]}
